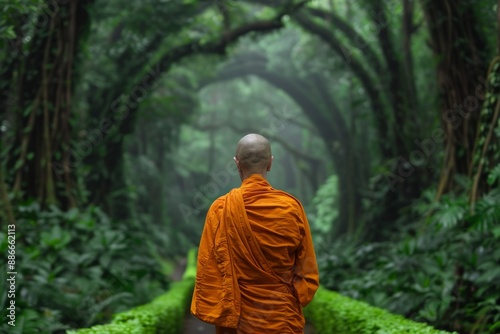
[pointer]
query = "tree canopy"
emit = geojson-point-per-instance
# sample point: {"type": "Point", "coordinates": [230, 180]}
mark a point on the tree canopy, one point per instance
{"type": "Point", "coordinates": [119, 123]}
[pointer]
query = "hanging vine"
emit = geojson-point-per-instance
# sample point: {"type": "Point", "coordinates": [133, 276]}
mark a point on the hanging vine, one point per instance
{"type": "Point", "coordinates": [44, 100]}
{"type": "Point", "coordinates": [487, 145]}
{"type": "Point", "coordinates": [455, 40]}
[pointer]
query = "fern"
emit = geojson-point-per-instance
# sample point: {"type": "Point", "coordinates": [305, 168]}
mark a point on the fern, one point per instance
{"type": "Point", "coordinates": [494, 175]}
{"type": "Point", "coordinates": [324, 202]}
{"type": "Point", "coordinates": [450, 212]}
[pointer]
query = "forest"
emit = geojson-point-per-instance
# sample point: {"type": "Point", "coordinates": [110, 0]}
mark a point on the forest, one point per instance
{"type": "Point", "coordinates": [118, 127]}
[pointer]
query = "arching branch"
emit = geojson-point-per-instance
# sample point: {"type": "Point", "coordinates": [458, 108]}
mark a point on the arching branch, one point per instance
{"type": "Point", "coordinates": [238, 129]}
{"type": "Point", "coordinates": [292, 86]}
{"type": "Point", "coordinates": [112, 160]}
{"type": "Point", "coordinates": [397, 86]}
{"type": "Point", "coordinates": [219, 46]}
{"type": "Point", "coordinates": [353, 37]}
{"type": "Point", "coordinates": [369, 85]}
{"type": "Point", "coordinates": [292, 120]}
{"type": "Point", "coordinates": [300, 91]}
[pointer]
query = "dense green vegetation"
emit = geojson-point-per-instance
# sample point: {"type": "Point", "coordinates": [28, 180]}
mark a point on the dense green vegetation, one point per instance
{"type": "Point", "coordinates": [440, 266]}
{"type": "Point", "coordinates": [332, 313]}
{"type": "Point", "coordinates": [165, 314]}
{"type": "Point", "coordinates": [79, 267]}
{"type": "Point", "coordinates": [118, 122]}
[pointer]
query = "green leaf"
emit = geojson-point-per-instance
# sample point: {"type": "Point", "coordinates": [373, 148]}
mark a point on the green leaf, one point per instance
{"type": "Point", "coordinates": [18, 164]}
{"type": "Point", "coordinates": [494, 175]}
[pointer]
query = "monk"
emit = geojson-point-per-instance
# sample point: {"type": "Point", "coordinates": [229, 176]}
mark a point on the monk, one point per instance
{"type": "Point", "coordinates": [256, 262]}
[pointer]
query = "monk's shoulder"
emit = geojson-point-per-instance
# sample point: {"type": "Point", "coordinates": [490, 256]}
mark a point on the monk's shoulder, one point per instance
{"type": "Point", "coordinates": [289, 198]}
{"type": "Point", "coordinates": [218, 204]}
{"type": "Point", "coordinates": [214, 213]}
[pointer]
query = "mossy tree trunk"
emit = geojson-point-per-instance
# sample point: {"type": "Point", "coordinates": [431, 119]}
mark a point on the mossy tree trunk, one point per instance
{"type": "Point", "coordinates": [42, 82]}
{"type": "Point", "coordinates": [462, 51]}
{"type": "Point", "coordinates": [487, 144]}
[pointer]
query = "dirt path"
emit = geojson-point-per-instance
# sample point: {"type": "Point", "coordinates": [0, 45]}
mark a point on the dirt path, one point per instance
{"type": "Point", "coordinates": [192, 326]}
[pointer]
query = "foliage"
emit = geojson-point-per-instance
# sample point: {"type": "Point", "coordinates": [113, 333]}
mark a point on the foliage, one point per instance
{"type": "Point", "coordinates": [202, 164]}
{"type": "Point", "coordinates": [102, 93]}
{"type": "Point", "coordinates": [324, 203]}
{"type": "Point", "coordinates": [165, 314]}
{"type": "Point", "coordinates": [446, 274]}
{"type": "Point", "coordinates": [14, 10]}
{"type": "Point", "coordinates": [331, 312]}
{"type": "Point", "coordinates": [76, 268]}
{"type": "Point", "coordinates": [190, 271]}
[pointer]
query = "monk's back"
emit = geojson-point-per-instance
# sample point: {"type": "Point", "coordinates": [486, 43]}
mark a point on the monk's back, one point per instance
{"type": "Point", "coordinates": [276, 220]}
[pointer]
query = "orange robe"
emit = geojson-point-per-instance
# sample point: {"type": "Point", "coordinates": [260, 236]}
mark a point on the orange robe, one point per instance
{"type": "Point", "coordinates": [256, 262]}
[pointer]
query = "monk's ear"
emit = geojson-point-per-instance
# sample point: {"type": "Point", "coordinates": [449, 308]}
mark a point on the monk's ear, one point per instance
{"type": "Point", "coordinates": [237, 163]}
{"type": "Point", "coordinates": [270, 163]}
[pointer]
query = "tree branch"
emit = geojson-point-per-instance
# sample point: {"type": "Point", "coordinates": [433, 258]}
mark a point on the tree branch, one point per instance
{"type": "Point", "coordinates": [283, 142]}
{"type": "Point", "coordinates": [294, 87]}
{"type": "Point", "coordinates": [398, 91]}
{"type": "Point", "coordinates": [353, 37]}
{"type": "Point", "coordinates": [311, 128]}
{"type": "Point", "coordinates": [219, 46]}
{"type": "Point", "coordinates": [369, 85]}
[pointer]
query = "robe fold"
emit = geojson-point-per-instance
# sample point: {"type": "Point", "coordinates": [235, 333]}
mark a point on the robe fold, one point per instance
{"type": "Point", "coordinates": [256, 262]}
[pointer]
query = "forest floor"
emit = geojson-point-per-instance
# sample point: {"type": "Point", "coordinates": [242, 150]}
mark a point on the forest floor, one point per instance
{"type": "Point", "coordinates": [193, 325]}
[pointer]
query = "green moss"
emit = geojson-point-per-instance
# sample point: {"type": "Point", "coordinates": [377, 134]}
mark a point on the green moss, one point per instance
{"type": "Point", "coordinates": [331, 312]}
{"type": "Point", "coordinates": [190, 272]}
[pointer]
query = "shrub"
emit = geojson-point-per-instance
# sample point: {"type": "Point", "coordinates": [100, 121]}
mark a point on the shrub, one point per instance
{"type": "Point", "coordinates": [440, 268]}
{"type": "Point", "coordinates": [331, 312]}
{"type": "Point", "coordinates": [77, 268]}
{"type": "Point", "coordinates": [163, 315]}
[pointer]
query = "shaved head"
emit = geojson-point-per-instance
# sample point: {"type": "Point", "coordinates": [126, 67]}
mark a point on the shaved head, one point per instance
{"type": "Point", "coordinates": [253, 153]}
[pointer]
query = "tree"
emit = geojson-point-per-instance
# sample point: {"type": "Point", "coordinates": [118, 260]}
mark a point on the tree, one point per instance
{"type": "Point", "coordinates": [124, 106]}
{"type": "Point", "coordinates": [462, 51]}
{"type": "Point", "coordinates": [486, 156]}
{"type": "Point", "coordinates": [376, 65]}
{"type": "Point", "coordinates": [40, 83]}
{"type": "Point", "coordinates": [44, 153]}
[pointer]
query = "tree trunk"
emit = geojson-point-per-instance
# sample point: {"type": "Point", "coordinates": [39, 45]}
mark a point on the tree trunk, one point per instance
{"type": "Point", "coordinates": [4, 196]}
{"type": "Point", "coordinates": [43, 89]}
{"type": "Point", "coordinates": [487, 145]}
{"type": "Point", "coordinates": [460, 48]}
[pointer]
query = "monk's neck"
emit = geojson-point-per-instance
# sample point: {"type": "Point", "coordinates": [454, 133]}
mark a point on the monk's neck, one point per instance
{"type": "Point", "coordinates": [247, 176]}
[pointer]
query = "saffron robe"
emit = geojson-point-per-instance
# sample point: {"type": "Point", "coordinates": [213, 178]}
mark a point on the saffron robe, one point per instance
{"type": "Point", "coordinates": [256, 264]}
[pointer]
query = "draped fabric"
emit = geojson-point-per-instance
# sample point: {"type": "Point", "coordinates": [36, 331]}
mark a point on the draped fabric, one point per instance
{"type": "Point", "coordinates": [256, 262]}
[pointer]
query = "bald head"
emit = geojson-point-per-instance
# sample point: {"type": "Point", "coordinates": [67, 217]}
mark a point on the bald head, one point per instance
{"type": "Point", "coordinates": [253, 153]}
